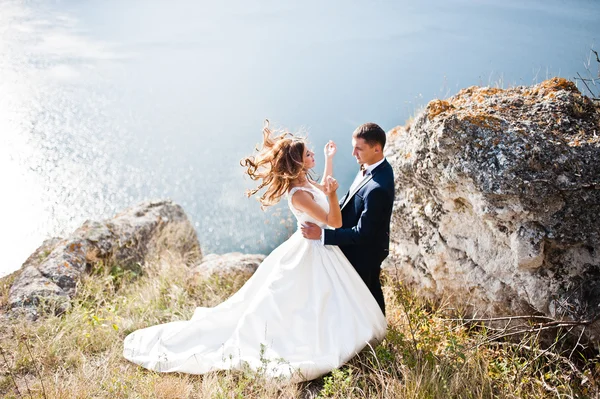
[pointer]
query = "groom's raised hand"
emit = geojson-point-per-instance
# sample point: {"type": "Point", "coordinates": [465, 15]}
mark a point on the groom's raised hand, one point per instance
{"type": "Point", "coordinates": [311, 231]}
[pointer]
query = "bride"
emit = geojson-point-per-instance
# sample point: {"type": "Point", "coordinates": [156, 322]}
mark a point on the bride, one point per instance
{"type": "Point", "coordinates": [304, 312]}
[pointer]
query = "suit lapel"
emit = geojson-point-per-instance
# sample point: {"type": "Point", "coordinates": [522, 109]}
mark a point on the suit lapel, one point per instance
{"type": "Point", "coordinates": [343, 200]}
{"type": "Point", "coordinates": [349, 195]}
{"type": "Point", "coordinates": [358, 187]}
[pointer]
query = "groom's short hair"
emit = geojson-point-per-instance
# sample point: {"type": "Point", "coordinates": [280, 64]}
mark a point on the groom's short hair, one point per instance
{"type": "Point", "coordinates": [371, 133]}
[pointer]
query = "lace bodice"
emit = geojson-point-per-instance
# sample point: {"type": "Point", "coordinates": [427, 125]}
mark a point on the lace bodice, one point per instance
{"type": "Point", "coordinates": [320, 199]}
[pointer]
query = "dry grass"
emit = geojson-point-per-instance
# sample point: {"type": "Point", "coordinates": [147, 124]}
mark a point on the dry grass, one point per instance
{"type": "Point", "coordinates": [425, 355]}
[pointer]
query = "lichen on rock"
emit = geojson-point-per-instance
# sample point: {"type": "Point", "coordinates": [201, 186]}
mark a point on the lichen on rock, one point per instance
{"type": "Point", "coordinates": [233, 263]}
{"type": "Point", "coordinates": [497, 201]}
{"type": "Point", "coordinates": [48, 279]}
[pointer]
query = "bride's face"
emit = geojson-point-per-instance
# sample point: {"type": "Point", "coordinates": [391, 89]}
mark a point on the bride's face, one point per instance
{"type": "Point", "coordinates": [308, 159]}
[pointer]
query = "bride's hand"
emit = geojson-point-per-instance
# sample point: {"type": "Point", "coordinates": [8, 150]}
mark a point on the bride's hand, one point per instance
{"type": "Point", "coordinates": [331, 185]}
{"type": "Point", "coordinates": [330, 149]}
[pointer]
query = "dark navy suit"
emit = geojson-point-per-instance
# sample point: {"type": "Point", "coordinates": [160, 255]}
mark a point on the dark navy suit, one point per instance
{"type": "Point", "coordinates": [365, 233]}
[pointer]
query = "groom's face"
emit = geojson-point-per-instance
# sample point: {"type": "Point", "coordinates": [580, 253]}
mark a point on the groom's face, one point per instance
{"type": "Point", "coordinates": [363, 152]}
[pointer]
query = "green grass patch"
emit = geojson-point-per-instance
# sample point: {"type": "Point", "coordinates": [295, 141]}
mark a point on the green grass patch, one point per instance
{"type": "Point", "coordinates": [425, 354]}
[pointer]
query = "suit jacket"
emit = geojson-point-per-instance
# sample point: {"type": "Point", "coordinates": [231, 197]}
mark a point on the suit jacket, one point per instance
{"type": "Point", "coordinates": [365, 233]}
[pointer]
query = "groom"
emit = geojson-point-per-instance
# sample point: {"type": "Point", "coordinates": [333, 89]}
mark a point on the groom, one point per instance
{"type": "Point", "coordinates": [366, 210]}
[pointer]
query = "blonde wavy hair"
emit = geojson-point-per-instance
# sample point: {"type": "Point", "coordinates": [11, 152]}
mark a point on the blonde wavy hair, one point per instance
{"type": "Point", "coordinates": [278, 163]}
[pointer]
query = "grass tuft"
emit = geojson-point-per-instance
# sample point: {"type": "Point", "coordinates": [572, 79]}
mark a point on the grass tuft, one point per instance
{"type": "Point", "coordinates": [425, 354]}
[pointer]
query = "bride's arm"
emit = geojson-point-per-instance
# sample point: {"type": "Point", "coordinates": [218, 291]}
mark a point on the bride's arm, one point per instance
{"type": "Point", "coordinates": [304, 201]}
{"type": "Point", "coordinates": [330, 150]}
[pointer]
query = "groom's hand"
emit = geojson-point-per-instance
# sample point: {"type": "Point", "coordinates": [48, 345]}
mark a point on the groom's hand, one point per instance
{"type": "Point", "coordinates": [311, 231]}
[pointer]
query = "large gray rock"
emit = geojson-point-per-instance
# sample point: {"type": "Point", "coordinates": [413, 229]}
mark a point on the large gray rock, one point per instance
{"type": "Point", "coordinates": [498, 202]}
{"type": "Point", "coordinates": [133, 237]}
{"type": "Point", "coordinates": [234, 263]}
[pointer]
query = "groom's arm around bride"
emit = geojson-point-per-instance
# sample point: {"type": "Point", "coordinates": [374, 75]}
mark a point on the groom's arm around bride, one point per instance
{"type": "Point", "coordinates": [366, 210]}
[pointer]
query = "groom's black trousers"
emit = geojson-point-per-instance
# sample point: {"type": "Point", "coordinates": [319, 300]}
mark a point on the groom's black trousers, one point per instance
{"type": "Point", "coordinates": [370, 274]}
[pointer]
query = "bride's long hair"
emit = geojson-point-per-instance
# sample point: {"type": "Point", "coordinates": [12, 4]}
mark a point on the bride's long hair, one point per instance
{"type": "Point", "coordinates": [278, 163]}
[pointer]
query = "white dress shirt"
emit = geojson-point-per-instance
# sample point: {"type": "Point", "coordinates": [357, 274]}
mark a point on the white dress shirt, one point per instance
{"type": "Point", "coordinates": [360, 177]}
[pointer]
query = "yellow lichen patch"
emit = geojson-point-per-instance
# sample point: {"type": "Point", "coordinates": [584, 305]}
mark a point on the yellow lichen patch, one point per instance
{"type": "Point", "coordinates": [556, 84]}
{"type": "Point", "coordinates": [473, 96]}
{"type": "Point", "coordinates": [436, 107]}
{"type": "Point", "coordinates": [483, 120]}
{"type": "Point", "coordinates": [550, 86]}
{"type": "Point", "coordinates": [482, 93]}
{"type": "Point", "coordinates": [489, 91]}
{"type": "Point", "coordinates": [75, 246]}
{"type": "Point", "coordinates": [397, 131]}
{"type": "Point", "coordinates": [466, 92]}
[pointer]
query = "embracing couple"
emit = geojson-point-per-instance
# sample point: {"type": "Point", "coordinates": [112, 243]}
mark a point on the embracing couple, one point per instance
{"type": "Point", "coordinates": [316, 300]}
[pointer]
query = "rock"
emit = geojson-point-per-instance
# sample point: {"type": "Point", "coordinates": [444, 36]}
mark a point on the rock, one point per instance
{"type": "Point", "coordinates": [40, 254]}
{"type": "Point", "coordinates": [33, 292]}
{"type": "Point", "coordinates": [133, 237]}
{"type": "Point", "coordinates": [233, 263]}
{"type": "Point", "coordinates": [497, 202]}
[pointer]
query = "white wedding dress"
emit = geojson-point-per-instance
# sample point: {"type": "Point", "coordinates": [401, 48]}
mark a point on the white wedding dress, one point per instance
{"type": "Point", "coordinates": [304, 312]}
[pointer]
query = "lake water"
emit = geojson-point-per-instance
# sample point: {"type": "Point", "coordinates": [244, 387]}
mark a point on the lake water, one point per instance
{"type": "Point", "coordinates": [107, 103]}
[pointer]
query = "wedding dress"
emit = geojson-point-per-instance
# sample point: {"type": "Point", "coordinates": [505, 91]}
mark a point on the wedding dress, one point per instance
{"type": "Point", "coordinates": [304, 312]}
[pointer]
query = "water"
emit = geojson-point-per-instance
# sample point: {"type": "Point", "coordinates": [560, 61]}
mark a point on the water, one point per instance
{"type": "Point", "coordinates": [107, 103]}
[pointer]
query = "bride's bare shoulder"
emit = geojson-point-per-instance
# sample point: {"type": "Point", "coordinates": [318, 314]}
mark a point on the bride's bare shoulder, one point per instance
{"type": "Point", "coordinates": [300, 192]}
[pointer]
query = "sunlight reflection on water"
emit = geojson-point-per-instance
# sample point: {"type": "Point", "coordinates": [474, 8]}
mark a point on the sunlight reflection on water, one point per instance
{"type": "Point", "coordinates": [100, 109]}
